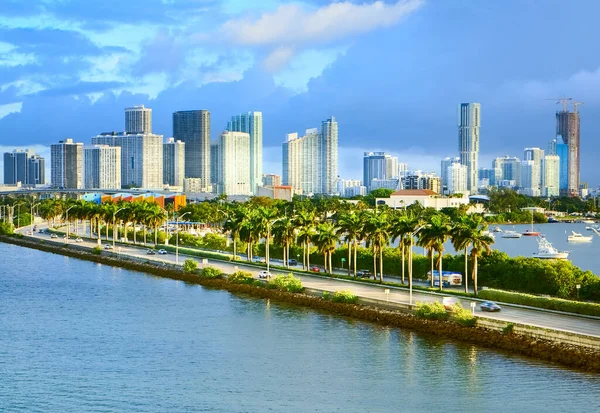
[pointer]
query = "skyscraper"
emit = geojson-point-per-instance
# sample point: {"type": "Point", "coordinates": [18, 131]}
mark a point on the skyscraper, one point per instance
{"type": "Point", "coordinates": [560, 149]}
{"type": "Point", "coordinates": [537, 156]}
{"type": "Point", "coordinates": [530, 178]}
{"type": "Point", "coordinates": [567, 126]}
{"type": "Point", "coordinates": [173, 162]}
{"type": "Point", "coordinates": [66, 164]}
{"type": "Point", "coordinates": [138, 119]}
{"type": "Point", "coordinates": [329, 156]}
{"type": "Point", "coordinates": [16, 166]}
{"type": "Point", "coordinates": [102, 166]}
{"type": "Point", "coordinates": [551, 176]}
{"type": "Point", "coordinates": [456, 174]}
{"type": "Point", "coordinates": [141, 157]}
{"type": "Point", "coordinates": [507, 168]}
{"type": "Point", "coordinates": [251, 123]}
{"type": "Point", "coordinates": [468, 141]}
{"type": "Point", "coordinates": [36, 170]}
{"type": "Point", "coordinates": [193, 128]}
{"type": "Point", "coordinates": [446, 162]}
{"type": "Point", "coordinates": [379, 166]}
{"type": "Point", "coordinates": [234, 166]}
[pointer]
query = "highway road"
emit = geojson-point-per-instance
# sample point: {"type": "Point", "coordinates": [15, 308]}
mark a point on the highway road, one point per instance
{"type": "Point", "coordinates": [540, 318]}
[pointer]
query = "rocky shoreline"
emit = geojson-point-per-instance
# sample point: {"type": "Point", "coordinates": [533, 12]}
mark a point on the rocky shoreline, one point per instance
{"type": "Point", "coordinates": [576, 357]}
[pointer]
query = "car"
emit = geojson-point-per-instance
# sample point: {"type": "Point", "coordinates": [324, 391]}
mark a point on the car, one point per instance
{"type": "Point", "coordinates": [449, 302]}
{"type": "Point", "coordinates": [364, 274]}
{"type": "Point", "coordinates": [315, 269]}
{"type": "Point", "coordinates": [259, 259]}
{"type": "Point", "coordinates": [151, 252]}
{"type": "Point", "coordinates": [162, 252]}
{"type": "Point", "coordinates": [53, 236]}
{"type": "Point", "coordinates": [292, 262]}
{"type": "Point", "coordinates": [41, 231]}
{"type": "Point", "coordinates": [79, 240]}
{"type": "Point", "coordinates": [489, 306]}
{"type": "Point", "coordinates": [108, 247]}
{"type": "Point", "coordinates": [264, 274]}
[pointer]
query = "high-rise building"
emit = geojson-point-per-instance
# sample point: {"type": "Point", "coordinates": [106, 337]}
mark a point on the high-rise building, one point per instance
{"type": "Point", "coordinates": [138, 119]}
{"type": "Point", "coordinates": [234, 168]}
{"type": "Point", "coordinates": [456, 174]}
{"type": "Point", "coordinates": [271, 180]}
{"type": "Point", "coordinates": [567, 126]}
{"type": "Point", "coordinates": [551, 175]}
{"type": "Point", "coordinates": [530, 178]}
{"type": "Point", "coordinates": [420, 180]}
{"type": "Point", "coordinates": [468, 141]}
{"type": "Point", "coordinates": [446, 162]}
{"type": "Point", "coordinates": [102, 167]}
{"type": "Point", "coordinates": [66, 164]}
{"type": "Point", "coordinates": [193, 128]}
{"type": "Point", "coordinates": [557, 147]}
{"type": "Point", "coordinates": [215, 165]}
{"type": "Point", "coordinates": [537, 156]}
{"type": "Point", "coordinates": [173, 162]}
{"type": "Point", "coordinates": [16, 166]}
{"type": "Point", "coordinates": [507, 168]}
{"type": "Point", "coordinates": [251, 123]}
{"type": "Point", "coordinates": [141, 158]}
{"type": "Point", "coordinates": [310, 162]}
{"type": "Point", "coordinates": [489, 174]}
{"type": "Point", "coordinates": [402, 169]}
{"type": "Point", "coordinates": [378, 166]}
{"type": "Point", "coordinates": [329, 156]}
{"type": "Point", "coordinates": [36, 170]}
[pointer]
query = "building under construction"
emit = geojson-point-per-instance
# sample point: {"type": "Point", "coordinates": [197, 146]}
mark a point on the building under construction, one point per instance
{"type": "Point", "coordinates": [567, 126]}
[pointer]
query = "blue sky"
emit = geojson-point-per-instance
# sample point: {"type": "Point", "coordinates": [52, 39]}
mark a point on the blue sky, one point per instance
{"type": "Point", "coordinates": [392, 72]}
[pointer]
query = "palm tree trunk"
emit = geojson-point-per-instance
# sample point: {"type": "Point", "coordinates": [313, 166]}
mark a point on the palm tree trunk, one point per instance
{"type": "Point", "coordinates": [355, 261]}
{"type": "Point", "coordinates": [349, 256]}
{"type": "Point", "coordinates": [114, 232]}
{"type": "Point", "coordinates": [431, 256]}
{"type": "Point", "coordinates": [99, 234]}
{"type": "Point", "coordinates": [135, 232]}
{"type": "Point", "coordinates": [234, 249]}
{"type": "Point", "coordinates": [466, 271]}
{"type": "Point", "coordinates": [475, 274]}
{"type": "Point", "coordinates": [106, 230]}
{"type": "Point", "coordinates": [410, 265]}
{"type": "Point", "coordinates": [440, 270]}
{"type": "Point", "coordinates": [380, 264]}
{"type": "Point", "coordinates": [307, 255]}
{"type": "Point", "coordinates": [403, 263]}
{"type": "Point", "coordinates": [330, 264]}
{"type": "Point", "coordinates": [155, 234]}
{"type": "Point", "coordinates": [374, 264]}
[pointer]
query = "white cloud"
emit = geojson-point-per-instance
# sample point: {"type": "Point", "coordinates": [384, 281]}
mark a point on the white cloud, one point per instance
{"type": "Point", "coordinates": [10, 108]}
{"type": "Point", "coordinates": [292, 24]}
{"type": "Point", "coordinates": [278, 58]}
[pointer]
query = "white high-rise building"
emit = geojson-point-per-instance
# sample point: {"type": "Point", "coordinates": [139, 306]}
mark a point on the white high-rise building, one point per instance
{"type": "Point", "coordinates": [551, 176]}
{"type": "Point", "coordinates": [402, 169]}
{"type": "Point", "coordinates": [378, 166]}
{"type": "Point", "coordinates": [506, 169]}
{"type": "Point", "coordinates": [251, 123]}
{"type": "Point", "coordinates": [66, 164]}
{"type": "Point", "coordinates": [537, 156]}
{"type": "Point", "coordinates": [445, 164]}
{"type": "Point", "coordinates": [456, 174]}
{"type": "Point", "coordinates": [173, 162]}
{"type": "Point", "coordinates": [234, 166]}
{"type": "Point", "coordinates": [530, 178]}
{"type": "Point", "coordinates": [329, 155]}
{"type": "Point", "coordinates": [469, 120]}
{"type": "Point", "coordinates": [141, 158]}
{"type": "Point", "coordinates": [138, 119]}
{"type": "Point", "coordinates": [102, 165]}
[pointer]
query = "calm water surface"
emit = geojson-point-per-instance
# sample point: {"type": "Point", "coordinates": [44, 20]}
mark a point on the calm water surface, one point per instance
{"type": "Point", "coordinates": [82, 337]}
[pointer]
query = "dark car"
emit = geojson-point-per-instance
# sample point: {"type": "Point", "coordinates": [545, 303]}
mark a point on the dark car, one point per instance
{"type": "Point", "coordinates": [489, 306]}
{"type": "Point", "coordinates": [364, 274]}
{"type": "Point", "coordinates": [151, 252]}
{"type": "Point", "coordinates": [292, 262]}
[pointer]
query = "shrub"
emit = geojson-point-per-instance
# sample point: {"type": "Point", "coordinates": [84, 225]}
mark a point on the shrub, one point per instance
{"type": "Point", "coordinates": [286, 283]}
{"type": "Point", "coordinates": [211, 273]}
{"type": "Point", "coordinates": [344, 297]}
{"type": "Point", "coordinates": [97, 250]}
{"type": "Point", "coordinates": [241, 277]}
{"type": "Point", "coordinates": [431, 311]}
{"type": "Point", "coordinates": [508, 329]}
{"type": "Point", "coordinates": [326, 295]}
{"type": "Point", "coordinates": [549, 303]}
{"type": "Point", "coordinates": [190, 266]}
{"type": "Point", "coordinates": [463, 316]}
{"type": "Point", "coordinates": [6, 228]}
{"type": "Point", "coordinates": [258, 283]}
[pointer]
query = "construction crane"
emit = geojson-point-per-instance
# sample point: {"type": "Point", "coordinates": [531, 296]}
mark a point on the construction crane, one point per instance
{"type": "Point", "coordinates": [575, 104]}
{"type": "Point", "coordinates": [564, 100]}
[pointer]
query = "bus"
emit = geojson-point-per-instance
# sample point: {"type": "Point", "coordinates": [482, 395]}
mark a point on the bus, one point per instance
{"type": "Point", "coordinates": [449, 278]}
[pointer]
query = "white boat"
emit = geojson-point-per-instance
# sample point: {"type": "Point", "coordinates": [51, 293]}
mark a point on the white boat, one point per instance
{"type": "Point", "coordinates": [593, 227]}
{"type": "Point", "coordinates": [588, 221]}
{"type": "Point", "coordinates": [511, 234]}
{"type": "Point", "coordinates": [577, 237]}
{"type": "Point", "coordinates": [548, 252]}
{"type": "Point", "coordinates": [497, 229]}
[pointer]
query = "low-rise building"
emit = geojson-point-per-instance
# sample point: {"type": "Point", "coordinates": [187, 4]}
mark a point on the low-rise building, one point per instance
{"type": "Point", "coordinates": [427, 198]}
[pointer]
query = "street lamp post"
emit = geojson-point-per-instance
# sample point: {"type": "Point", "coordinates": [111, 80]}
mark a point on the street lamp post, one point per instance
{"type": "Point", "coordinates": [18, 214]}
{"type": "Point", "coordinates": [114, 222]}
{"type": "Point", "coordinates": [177, 236]}
{"type": "Point", "coordinates": [578, 286]}
{"type": "Point", "coordinates": [33, 206]}
{"type": "Point", "coordinates": [68, 224]}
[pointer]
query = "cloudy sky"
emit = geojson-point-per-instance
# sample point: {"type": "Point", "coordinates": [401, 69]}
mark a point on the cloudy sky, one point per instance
{"type": "Point", "coordinates": [392, 72]}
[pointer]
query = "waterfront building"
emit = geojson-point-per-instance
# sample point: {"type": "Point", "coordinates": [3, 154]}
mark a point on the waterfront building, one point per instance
{"type": "Point", "coordinates": [530, 178]}
{"type": "Point", "coordinates": [469, 120]}
{"type": "Point", "coordinates": [379, 166]}
{"type": "Point", "coordinates": [551, 176]}
{"type": "Point", "coordinates": [457, 178]}
{"type": "Point", "coordinates": [141, 157]}
{"type": "Point", "coordinates": [102, 167]}
{"type": "Point", "coordinates": [234, 164]}
{"type": "Point", "coordinates": [193, 185]}
{"type": "Point", "coordinates": [66, 164]}
{"type": "Point", "coordinates": [446, 162]}
{"type": "Point", "coordinates": [567, 126]}
{"type": "Point", "coordinates": [310, 162]}
{"type": "Point", "coordinates": [251, 123]}
{"type": "Point", "coordinates": [557, 147]}
{"type": "Point", "coordinates": [537, 156]}
{"type": "Point", "coordinates": [173, 162]}
{"type": "Point", "coordinates": [24, 166]}
{"type": "Point", "coordinates": [215, 165]}
{"type": "Point", "coordinates": [138, 119]}
{"type": "Point", "coordinates": [36, 170]}
{"type": "Point", "coordinates": [507, 168]}
{"type": "Point", "coordinates": [192, 127]}
{"type": "Point", "coordinates": [270, 180]}
{"type": "Point", "coordinates": [427, 198]}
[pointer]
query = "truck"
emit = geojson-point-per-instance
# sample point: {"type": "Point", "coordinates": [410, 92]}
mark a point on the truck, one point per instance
{"type": "Point", "coordinates": [449, 278]}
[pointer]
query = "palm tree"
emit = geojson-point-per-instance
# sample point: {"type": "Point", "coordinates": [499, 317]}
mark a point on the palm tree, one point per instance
{"type": "Point", "coordinates": [434, 236]}
{"type": "Point", "coordinates": [305, 221]}
{"type": "Point", "coordinates": [234, 216]}
{"type": "Point", "coordinates": [265, 217]}
{"type": "Point", "coordinates": [377, 231]}
{"type": "Point", "coordinates": [284, 233]}
{"type": "Point", "coordinates": [350, 225]}
{"type": "Point", "coordinates": [155, 217]}
{"type": "Point", "coordinates": [326, 239]}
{"type": "Point", "coordinates": [463, 225]}
{"type": "Point", "coordinates": [403, 225]}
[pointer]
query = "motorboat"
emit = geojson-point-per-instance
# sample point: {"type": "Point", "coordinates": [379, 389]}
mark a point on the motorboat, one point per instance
{"type": "Point", "coordinates": [548, 252]}
{"type": "Point", "coordinates": [511, 234]}
{"type": "Point", "coordinates": [497, 229]}
{"type": "Point", "coordinates": [588, 221]}
{"type": "Point", "coordinates": [593, 227]}
{"type": "Point", "coordinates": [577, 237]}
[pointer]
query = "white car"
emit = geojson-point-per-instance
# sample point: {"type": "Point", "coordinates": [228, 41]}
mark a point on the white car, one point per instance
{"type": "Point", "coordinates": [78, 240]}
{"type": "Point", "coordinates": [53, 236]}
{"type": "Point", "coordinates": [264, 274]}
{"type": "Point", "coordinates": [108, 247]}
{"type": "Point", "coordinates": [162, 252]}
